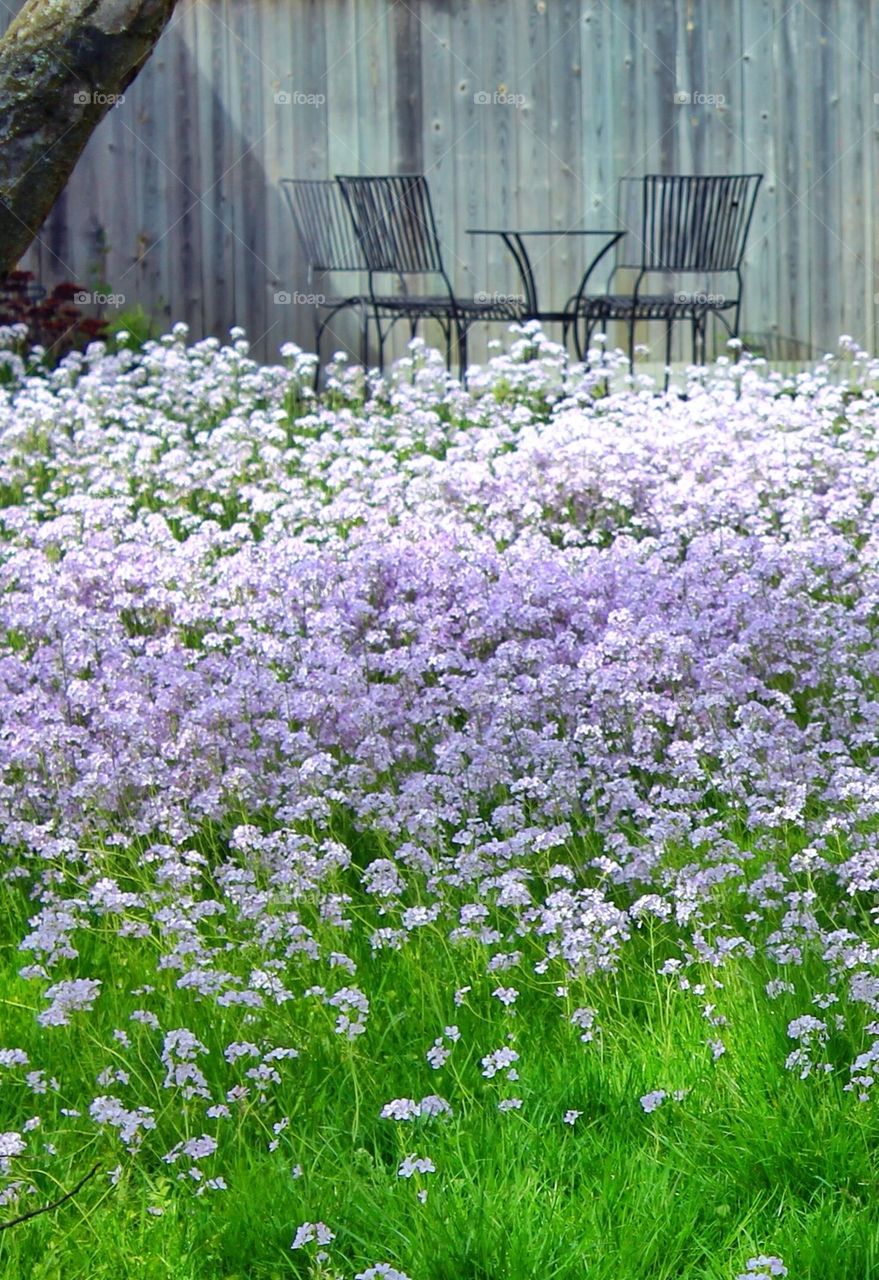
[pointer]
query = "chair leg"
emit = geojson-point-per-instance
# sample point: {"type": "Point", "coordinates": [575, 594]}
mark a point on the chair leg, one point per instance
{"type": "Point", "coordinates": [569, 334]}
{"type": "Point", "coordinates": [669, 325]}
{"type": "Point", "coordinates": [364, 337]}
{"type": "Point", "coordinates": [735, 332]}
{"type": "Point", "coordinates": [632, 345]}
{"type": "Point", "coordinates": [583, 352]}
{"type": "Point", "coordinates": [318, 334]}
{"type": "Point", "coordinates": [736, 318]}
{"type": "Point", "coordinates": [462, 351]}
{"type": "Point", "coordinates": [581, 346]}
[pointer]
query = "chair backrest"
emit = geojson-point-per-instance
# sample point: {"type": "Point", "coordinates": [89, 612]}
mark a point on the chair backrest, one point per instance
{"type": "Point", "coordinates": [697, 223]}
{"type": "Point", "coordinates": [394, 219]}
{"type": "Point", "coordinates": [687, 222]}
{"type": "Point", "coordinates": [324, 223]}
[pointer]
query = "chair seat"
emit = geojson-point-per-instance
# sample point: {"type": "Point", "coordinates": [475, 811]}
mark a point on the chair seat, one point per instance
{"type": "Point", "coordinates": [651, 306]}
{"type": "Point", "coordinates": [442, 305]}
{"type": "Point", "coordinates": [346, 300]}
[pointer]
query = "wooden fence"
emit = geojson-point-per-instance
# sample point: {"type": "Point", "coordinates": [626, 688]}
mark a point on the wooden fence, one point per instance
{"type": "Point", "coordinates": [522, 112]}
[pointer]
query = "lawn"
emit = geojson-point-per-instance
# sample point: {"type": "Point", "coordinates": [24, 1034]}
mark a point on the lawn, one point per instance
{"type": "Point", "coordinates": [439, 824]}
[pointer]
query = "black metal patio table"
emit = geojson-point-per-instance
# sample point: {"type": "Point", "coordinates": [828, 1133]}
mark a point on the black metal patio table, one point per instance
{"type": "Point", "coordinates": [514, 239]}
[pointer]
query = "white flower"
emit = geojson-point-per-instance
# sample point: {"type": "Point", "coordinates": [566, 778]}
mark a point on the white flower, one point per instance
{"type": "Point", "coordinates": [434, 1105]}
{"type": "Point", "coordinates": [381, 1271]}
{"type": "Point", "coordinates": [13, 1058]}
{"type": "Point", "coordinates": [499, 1060]}
{"type": "Point", "coordinates": [12, 1144]}
{"type": "Point", "coordinates": [416, 1164]}
{"type": "Point", "coordinates": [198, 1148]}
{"type": "Point", "coordinates": [400, 1109]}
{"type": "Point", "coordinates": [309, 1231]}
{"type": "Point", "coordinates": [68, 997]}
{"type": "Point", "coordinates": [437, 1054]}
{"type": "Point", "coordinates": [763, 1266]}
{"type": "Point", "coordinates": [507, 995]}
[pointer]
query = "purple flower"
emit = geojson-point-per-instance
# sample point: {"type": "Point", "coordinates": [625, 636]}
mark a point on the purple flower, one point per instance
{"type": "Point", "coordinates": [307, 1232]}
{"type": "Point", "coordinates": [415, 1164]}
{"type": "Point", "coordinates": [68, 997]}
{"type": "Point", "coordinates": [11, 1144]}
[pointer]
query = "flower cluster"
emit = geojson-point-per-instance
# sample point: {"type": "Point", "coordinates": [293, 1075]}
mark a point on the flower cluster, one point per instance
{"type": "Point", "coordinates": [294, 688]}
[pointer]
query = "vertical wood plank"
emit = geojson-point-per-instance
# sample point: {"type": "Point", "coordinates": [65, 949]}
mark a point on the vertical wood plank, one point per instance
{"type": "Point", "coordinates": [305, 147]}
{"type": "Point", "coordinates": [821, 186]}
{"type": "Point", "coordinates": [537, 157]}
{"type": "Point", "coordinates": [498, 140]}
{"type": "Point", "coordinates": [221, 140]}
{"type": "Point", "coordinates": [184, 156]}
{"type": "Point", "coordinates": [791, 229]}
{"type": "Point", "coordinates": [853, 301]}
{"type": "Point", "coordinates": [439, 64]}
{"type": "Point", "coordinates": [343, 142]}
{"type": "Point", "coordinates": [758, 116]}
{"type": "Point", "coordinates": [282, 73]}
{"type": "Point", "coordinates": [567, 195]}
{"type": "Point", "coordinates": [154, 238]}
{"type": "Point", "coordinates": [472, 170]}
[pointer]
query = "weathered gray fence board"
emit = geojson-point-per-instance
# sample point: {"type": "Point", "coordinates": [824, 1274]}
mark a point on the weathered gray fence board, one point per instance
{"type": "Point", "coordinates": [856, 114]}
{"type": "Point", "coordinates": [441, 137]}
{"type": "Point", "coordinates": [758, 128]}
{"type": "Point", "coordinates": [175, 203]}
{"type": "Point", "coordinates": [565, 186]}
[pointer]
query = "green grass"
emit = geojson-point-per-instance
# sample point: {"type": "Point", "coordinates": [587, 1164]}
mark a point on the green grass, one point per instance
{"type": "Point", "coordinates": [752, 1159]}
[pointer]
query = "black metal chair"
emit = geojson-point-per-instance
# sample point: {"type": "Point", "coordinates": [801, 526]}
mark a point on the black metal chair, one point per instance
{"type": "Point", "coordinates": [682, 224]}
{"type": "Point", "coordinates": [394, 219]}
{"type": "Point", "coordinates": [328, 236]}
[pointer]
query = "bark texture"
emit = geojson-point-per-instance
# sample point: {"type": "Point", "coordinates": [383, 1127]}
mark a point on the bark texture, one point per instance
{"type": "Point", "coordinates": [63, 65]}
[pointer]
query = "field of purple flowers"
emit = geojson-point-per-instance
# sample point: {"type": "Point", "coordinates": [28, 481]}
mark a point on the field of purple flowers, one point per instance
{"type": "Point", "coordinates": [439, 824]}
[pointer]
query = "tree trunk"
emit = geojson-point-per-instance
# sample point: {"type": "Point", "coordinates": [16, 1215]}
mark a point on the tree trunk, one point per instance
{"type": "Point", "coordinates": [63, 65]}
